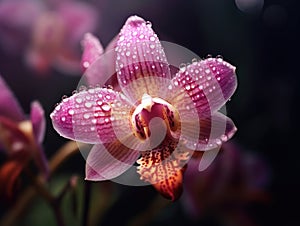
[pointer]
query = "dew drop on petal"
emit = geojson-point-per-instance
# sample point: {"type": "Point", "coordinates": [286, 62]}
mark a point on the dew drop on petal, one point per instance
{"type": "Point", "coordinates": [71, 112]}
{"type": "Point", "coordinates": [148, 23]}
{"type": "Point", "coordinates": [63, 119]}
{"type": "Point", "coordinates": [224, 138]}
{"type": "Point", "coordinates": [105, 107]}
{"type": "Point", "coordinates": [182, 67]}
{"type": "Point", "coordinates": [82, 88]}
{"type": "Point", "coordinates": [194, 61]}
{"type": "Point", "coordinates": [57, 108]}
{"type": "Point", "coordinates": [78, 100]}
{"type": "Point", "coordinates": [127, 53]}
{"type": "Point", "coordinates": [208, 56]}
{"type": "Point", "coordinates": [86, 116]}
{"type": "Point", "coordinates": [88, 104]}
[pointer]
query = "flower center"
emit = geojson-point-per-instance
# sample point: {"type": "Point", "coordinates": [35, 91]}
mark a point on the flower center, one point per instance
{"type": "Point", "coordinates": [144, 118]}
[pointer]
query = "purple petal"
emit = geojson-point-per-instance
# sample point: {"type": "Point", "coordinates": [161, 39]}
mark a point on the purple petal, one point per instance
{"type": "Point", "coordinates": [39, 127]}
{"type": "Point", "coordinates": [9, 107]}
{"type": "Point", "coordinates": [92, 50]}
{"type": "Point", "coordinates": [87, 116]}
{"type": "Point", "coordinates": [213, 131]}
{"type": "Point", "coordinates": [38, 121]}
{"type": "Point", "coordinates": [79, 18]}
{"type": "Point", "coordinates": [209, 84]}
{"type": "Point", "coordinates": [109, 161]}
{"type": "Point", "coordinates": [92, 59]}
{"type": "Point", "coordinates": [140, 57]}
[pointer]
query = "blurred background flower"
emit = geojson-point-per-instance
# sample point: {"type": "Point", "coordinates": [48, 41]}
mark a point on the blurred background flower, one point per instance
{"type": "Point", "coordinates": [262, 41]}
{"type": "Point", "coordinates": [234, 181]}
{"type": "Point", "coordinates": [46, 32]}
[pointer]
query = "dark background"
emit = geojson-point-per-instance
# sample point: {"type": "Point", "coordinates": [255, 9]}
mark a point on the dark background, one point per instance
{"type": "Point", "coordinates": [263, 45]}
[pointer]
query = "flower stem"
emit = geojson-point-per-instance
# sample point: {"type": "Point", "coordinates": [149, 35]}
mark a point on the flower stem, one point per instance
{"type": "Point", "coordinates": [87, 199]}
{"type": "Point", "coordinates": [64, 153]}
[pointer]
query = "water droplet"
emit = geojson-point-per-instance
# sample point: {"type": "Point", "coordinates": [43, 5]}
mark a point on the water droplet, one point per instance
{"type": "Point", "coordinates": [128, 53]}
{"type": "Point", "coordinates": [208, 56]}
{"type": "Point", "coordinates": [218, 78]}
{"type": "Point", "coordinates": [224, 138]}
{"type": "Point", "coordinates": [207, 71]}
{"type": "Point", "coordinates": [182, 67]}
{"type": "Point", "coordinates": [176, 83]}
{"type": "Point", "coordinates": [57, 108]}
{"type": "Point", "coordinates": [142, 36]}
{"type": "Point", "coordinates": [63, 119]}
{"type": "Point", "coordinates": [194, 61]}
{"type": "Point", "coordinates": [107, 97]}
{"type": "Point", "coordinates": [187, 87]}
{"type": "Point", "coordinates": [152, 38]}
{"type": "Point", "coordinates": [170, 87]}
{"type": "Point", "coordinates": [93, 128]}
{"type": "Point", "coordinates": [94, 121]}
{"type": "Point", "coordinates": [187, 107]}
{"type": "Point", "coordinates": [71, 112]}
{"type": "Point", "coordinates": [74, 92]}
{"type": "Point", "coordinates": [106, 120]}
{"type": "Point", "coordinates": [64, 97]}
{"type": "Point", "coordinates": [82, 88]}
{"type": "Point", "coordinates": [220, 58]}
{"type": "Point", "coordinates": [148, 23]}
{"type": "Point", "coordinates": [78, 100]}
{"type": "Point", "coordinates": [208, 78]}
{"type": "Point", "coordinates": [87, 97]}
{"type": "Point", "coordinates": [134, 33]}
{"type": "Point", "coordinates": [152, 46]}
{"type": "Point", "coordinates": [201, 87]}
{"type": "Point", "coordinates": [88, 104]}
{"type": "Point", "coordinates": [121, 38]}
{"type": "Point", "coordinates": [99, 102]}
{"type": "Point", "coordinates": [86, 116]}
{"type": "Point", "coordinates": [91, 91]}
{"type": "Point", "coordinates": [105, 107]}
{"type": "Point", "coordinates": [86, 64]}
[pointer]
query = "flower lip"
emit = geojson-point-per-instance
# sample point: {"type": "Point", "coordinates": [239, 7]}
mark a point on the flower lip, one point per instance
{"type": "Point", "coordinates": [149, 109]}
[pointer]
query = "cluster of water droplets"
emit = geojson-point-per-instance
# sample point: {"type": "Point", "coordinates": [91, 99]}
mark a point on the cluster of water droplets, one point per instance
{"type": "Point", "coordinates": [137, 45]}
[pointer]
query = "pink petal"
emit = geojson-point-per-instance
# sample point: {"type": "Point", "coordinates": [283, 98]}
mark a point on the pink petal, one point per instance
{"type": "Point", "coordinates": [209, 84]}
{"type": "Point", "coordinates": [109, 161]}
{"type": "Point", "coordinates": [87, 116]}
{"type": "Point", "coordinates": [38, 121]}
{"type": "Point", "coordinates": [39, 127]}
{"type": "Point", "coordinates": [92, 50]}
{"type": "Point", "coordinates": [9, 107]}
{"type": "Point", "coordinates": [213, 131]}
{"type": "Point", "coordinates": [79, 18]}
{"type": "Point", "coordinates": [92, 59]}
{"type": "Point", "coordinates": [141, 64]}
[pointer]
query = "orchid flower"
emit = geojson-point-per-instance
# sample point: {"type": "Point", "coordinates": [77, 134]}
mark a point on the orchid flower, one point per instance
{"type": "Point", "coordinates": [235, 179]}
{"type": "Point", "coordinates": [20, 139]}
{"type": "Point", "coordinates": [157, 120]}
{"type": "Point", "coordinates": [51, 31]}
